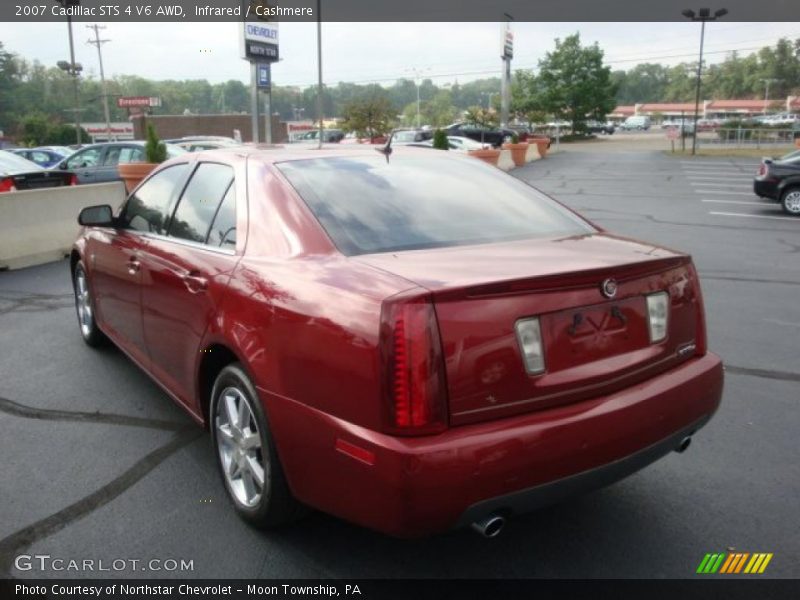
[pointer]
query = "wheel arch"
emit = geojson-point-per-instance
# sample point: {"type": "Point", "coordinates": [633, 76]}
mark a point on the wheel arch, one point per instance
{"type": "Point", "coordinates": [215, 356]}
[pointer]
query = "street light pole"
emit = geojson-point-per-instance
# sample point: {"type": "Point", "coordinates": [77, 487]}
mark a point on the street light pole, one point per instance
{"type": "Point", "coordinates": [766, 92]}
{"type": "Point", "coordinates": [702, 15]}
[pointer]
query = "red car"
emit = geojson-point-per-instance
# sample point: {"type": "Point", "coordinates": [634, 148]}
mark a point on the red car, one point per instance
{"type": "Point", "coordinates": [411, 342]}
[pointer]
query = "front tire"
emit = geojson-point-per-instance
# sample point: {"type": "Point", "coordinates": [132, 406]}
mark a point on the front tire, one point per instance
{"type": "Point", "coordinates": [246, 456]}
{"type": "Point", "coordinates": [84, 306]}
{"type": "Point", "coordinates": [790, 201]}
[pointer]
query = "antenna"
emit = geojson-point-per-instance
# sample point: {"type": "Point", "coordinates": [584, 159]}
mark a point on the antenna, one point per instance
{"type": "Point", "coordinates": [387, 149]}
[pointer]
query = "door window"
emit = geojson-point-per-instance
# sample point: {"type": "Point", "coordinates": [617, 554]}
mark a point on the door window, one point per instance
{"type": "Point", "coordinates": [88, 158]}
{"type": "Point", "coordinates": [148, 209]}
{"type": "Point", "coordinates": [200, 200]}
{"type": "Point", "coordinates": [130, 154]}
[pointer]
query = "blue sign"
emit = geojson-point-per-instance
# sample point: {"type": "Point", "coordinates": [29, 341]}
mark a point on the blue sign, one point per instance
{"type": "Point", "coordinates": [263, 75]}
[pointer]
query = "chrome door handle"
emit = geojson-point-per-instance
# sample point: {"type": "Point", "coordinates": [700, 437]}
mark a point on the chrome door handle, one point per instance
{"type": "Point", "coordinates": [195, 283]}
{"type": "Point", "coordinates": [134, 266]}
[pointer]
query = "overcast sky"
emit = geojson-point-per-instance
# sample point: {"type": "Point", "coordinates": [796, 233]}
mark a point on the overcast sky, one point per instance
{"type": "Point", "coordinates": [381, 52]}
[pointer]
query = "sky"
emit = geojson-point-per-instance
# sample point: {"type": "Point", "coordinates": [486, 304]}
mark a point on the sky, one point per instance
{"type": "Point", "coordinates": [374, 52]}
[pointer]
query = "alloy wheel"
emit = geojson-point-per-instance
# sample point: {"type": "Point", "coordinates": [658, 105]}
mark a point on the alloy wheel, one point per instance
{"type": "Point", "coordinates": [239, 445]}
{"type": "Point", "coordinates": [791, 201]}
{"type": "Point", "coordinates": [83, 303]}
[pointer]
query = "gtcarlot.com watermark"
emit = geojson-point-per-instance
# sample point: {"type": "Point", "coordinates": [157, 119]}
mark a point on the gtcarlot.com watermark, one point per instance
{"type": "Point", "coordinates": [46, 562]}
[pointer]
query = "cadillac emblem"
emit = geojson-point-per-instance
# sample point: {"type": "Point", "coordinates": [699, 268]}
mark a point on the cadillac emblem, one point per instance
{"type": "Point", "coordinates": [609, 288]}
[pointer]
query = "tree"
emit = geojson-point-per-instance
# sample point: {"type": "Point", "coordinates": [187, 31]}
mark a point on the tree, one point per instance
{"type": "Point", "coordinates": [440, 140]}
{"type": "Point", "coordinates": [369, 117]}
{"type": "Point", "coordinates": [574, 83]}
{"type": "Point", "coordinates": [483, 118]}
{"type": "Point", "coordinates": [525, 101]}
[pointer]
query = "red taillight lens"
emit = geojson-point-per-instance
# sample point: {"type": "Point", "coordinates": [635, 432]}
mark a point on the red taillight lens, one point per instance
{"type": "Point", "coordinates": [762, 170]}
{"type": "Point", "coordinates": [415, 389]}
{"type": "Point", "coordinates": [73, 179]}
{"type": "Point", "coordinates": [7, 185]}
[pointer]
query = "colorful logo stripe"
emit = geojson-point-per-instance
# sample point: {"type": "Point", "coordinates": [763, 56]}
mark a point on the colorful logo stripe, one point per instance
{"type": "Point", "coordinates": [734, 563]}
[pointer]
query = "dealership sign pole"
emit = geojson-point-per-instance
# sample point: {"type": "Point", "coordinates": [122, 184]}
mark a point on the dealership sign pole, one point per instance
{"type": "Point", "coordinates": [505, 82]}
{"type": "Point", "coordinates": [259, 46]}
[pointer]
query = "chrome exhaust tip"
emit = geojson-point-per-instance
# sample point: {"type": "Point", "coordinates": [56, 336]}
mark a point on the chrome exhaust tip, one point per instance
{"type": "Point", "coordinates": [685, 442]}
{"type": "Point", "coordinates": [489, 527]}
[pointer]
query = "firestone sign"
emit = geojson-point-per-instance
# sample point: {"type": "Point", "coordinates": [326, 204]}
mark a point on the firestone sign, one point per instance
{"type": "Point", "coordinates": [138, 101]}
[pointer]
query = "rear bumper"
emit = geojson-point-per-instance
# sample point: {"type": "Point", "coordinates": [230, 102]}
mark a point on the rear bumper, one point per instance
{"type": "Point", "coordinates": [416, 486]}
{"type": "Point", "coordinates": [765, 189]}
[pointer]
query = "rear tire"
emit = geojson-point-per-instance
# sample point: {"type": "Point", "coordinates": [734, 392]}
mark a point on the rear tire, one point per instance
{"type": "Point", "coordinates": [246, 455]}
{"type": "Point", "coordinates": [790, 201]}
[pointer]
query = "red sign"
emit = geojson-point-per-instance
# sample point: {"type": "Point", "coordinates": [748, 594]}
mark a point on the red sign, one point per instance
{"type": "Point", "coordinates": [138, 101]}
{"type": "Point", "coordinates": [672, 133]}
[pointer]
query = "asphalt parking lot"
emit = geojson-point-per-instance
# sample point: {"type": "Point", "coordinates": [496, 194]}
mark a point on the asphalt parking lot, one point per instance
{"type": "Point", "coordinates": [99, 464]}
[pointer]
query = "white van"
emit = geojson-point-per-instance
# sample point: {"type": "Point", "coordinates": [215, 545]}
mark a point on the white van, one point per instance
{"type": "Point", "coordinates": [639, 122]}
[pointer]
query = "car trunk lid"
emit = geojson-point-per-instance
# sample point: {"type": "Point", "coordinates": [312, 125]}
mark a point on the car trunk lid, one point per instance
{"type": "Point", "coordinates": [593, 344]}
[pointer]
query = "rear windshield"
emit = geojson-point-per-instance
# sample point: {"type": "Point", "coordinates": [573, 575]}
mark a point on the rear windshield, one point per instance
{"type": "Point", "coordinates": [369, 205]}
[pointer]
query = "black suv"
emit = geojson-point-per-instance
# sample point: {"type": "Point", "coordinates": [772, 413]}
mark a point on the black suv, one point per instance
{"type": "Point", "coordinates": [494, 136]}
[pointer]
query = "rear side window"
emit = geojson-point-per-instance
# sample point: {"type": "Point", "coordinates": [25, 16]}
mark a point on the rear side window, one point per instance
{"type": "Point", "coordinates": [368, 204]}
{"type": "Point", "coordinates": [87, 158]}
{"type": "Point", "coordinates": [200, 201]}
{"type": "Point", "coordinates": [148, 209]}
{"type": "Point", "coordinates": [223, 231]}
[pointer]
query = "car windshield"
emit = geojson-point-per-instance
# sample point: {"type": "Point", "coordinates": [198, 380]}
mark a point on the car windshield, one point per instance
{"type": "Point", "coordinates": [173, 150]}
{"type": "Point", "coordinates": [11, 163]}
{"type": "Point", "coordinates": [369, 205]}
{"type": "Point", "coordinates": [404, 136]}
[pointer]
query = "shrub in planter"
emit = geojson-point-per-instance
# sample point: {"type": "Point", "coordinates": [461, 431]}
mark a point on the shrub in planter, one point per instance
{"type": "Point", "coordinates": [440, 141]}
{"type": "Point", "coordinates": [518, 150]}
{"type": "Point", "coordinates": [155, 152]}
{"type": "Point", "coordinates": [483, 119]}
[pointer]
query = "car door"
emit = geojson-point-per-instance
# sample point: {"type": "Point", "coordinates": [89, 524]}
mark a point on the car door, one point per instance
{"type": "Point", "coordinates": [114, 257]}
{"type": "Point", "coordinates": [114, 156]}
{"type": "Point", "coordinates": [84, 163]}
{"type": "Point", "coordinates": [185, 276]}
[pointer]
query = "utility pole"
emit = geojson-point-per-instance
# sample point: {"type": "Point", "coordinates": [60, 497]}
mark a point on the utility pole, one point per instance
{"type": "Point", "coordinates": [766, 92]}
{"type": "Point", "coordinates": [505, 81]}
{"type": "Point", "coordinates": [319, 70]}
{"type": "Point", "coordinates": [98, 42]}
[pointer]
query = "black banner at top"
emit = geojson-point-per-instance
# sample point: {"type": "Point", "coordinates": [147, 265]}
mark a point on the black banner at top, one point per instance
{"type": "Point", "coordinates": [180, 11]}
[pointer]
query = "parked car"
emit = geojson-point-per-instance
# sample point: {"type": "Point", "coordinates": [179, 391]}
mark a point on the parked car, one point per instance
{"type": "Point", "coordinates": [494, 136]}
{"type": "Point", "coordinates": [18, 173]}
{"type": "Point", "coordinates": [638, 122]}
{"type": "Point", "coordinates": [410, 136]}
{"type": "Point", "coordinates": [197, 143]}
{"type": "Point", "coordinates": [411, 342]}
{"type": "Point", "coordinates": [464, 144]}
{"type": "Point", "coordinates": [97, 163]}
{"type": "Point", "coordinates": [779, 180]}
{"type": "Point", "coordinates": [600, 127]}
{"type": "Point", "coordinates": [329, 136]}
{"type": "Point", "coordinates": [44, 157]}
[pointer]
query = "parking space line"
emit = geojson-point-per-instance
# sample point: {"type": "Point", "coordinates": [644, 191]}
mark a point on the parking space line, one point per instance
{"type": "Point", "coordinates": [727, 214]}
{"type": "Point", "coordinates": [740, 202]}
{"type": "Point", "coordinates": [715, 184]}
{"type": "Point", "coordinates": [725, 192]}
{"type": "Point", "coordinates": [724, 178]}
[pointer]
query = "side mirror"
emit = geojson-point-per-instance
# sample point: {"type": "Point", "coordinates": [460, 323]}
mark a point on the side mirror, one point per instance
{"type": "Point", "coordinates": [96, 216]}
{"type": "Point", "coordinates": [62, 165]}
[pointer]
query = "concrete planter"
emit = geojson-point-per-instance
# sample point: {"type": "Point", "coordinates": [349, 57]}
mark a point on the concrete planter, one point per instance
{"type": "Point", "coordinates": [542, 142]}
{"type": "Point", "coordinates": [489, 155]}
{"type": "Point", "coordinates": [133, 173]}
{"type": "Point", "coordinates": [518, 152]}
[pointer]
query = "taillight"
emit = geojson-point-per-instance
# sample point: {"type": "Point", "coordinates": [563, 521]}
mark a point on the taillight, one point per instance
{"type": "Point", "coordinates": [415, 390]}
{"type": "Point", "coordinates": [762, 170]}
{"type": "Point", "coordinates": [73, 179]}
{"type": "Point", "coordinates": [657, 315]}
{"type": "Point", "coordinates": [7, 185]}
{"type": "Point", "coordinates": [701, 344]}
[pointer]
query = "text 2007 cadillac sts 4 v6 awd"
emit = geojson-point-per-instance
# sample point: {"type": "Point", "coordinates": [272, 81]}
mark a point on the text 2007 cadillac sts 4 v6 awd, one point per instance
{"type": "Point", "coordinates": [412, 342]}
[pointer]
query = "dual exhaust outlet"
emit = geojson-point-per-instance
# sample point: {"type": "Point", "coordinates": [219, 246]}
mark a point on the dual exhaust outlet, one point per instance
{"type": "Point", "coordinates": [491, 526]}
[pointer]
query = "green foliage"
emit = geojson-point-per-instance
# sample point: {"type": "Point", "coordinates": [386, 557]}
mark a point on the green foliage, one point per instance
{"type": "Point", "coordinates": [573, 82]}
{"type": "Point", "coordinates": [64, 135]}
{"type": "Point", "coordinates": [369, 117]}
{"type": "Point", "coordinates": [155, 151]}
{"type": "Point", "coordinates": [483, 118]}
{"type": "Point", "coordinates": [526, 104]}
{"type": "Point", "coordinates": [514, 138]}
{"type": "Point", "coordinates": [440, 140]}
{"type": "Point", "coordinates": [38, 130]}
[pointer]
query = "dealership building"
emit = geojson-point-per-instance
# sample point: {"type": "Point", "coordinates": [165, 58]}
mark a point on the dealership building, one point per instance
{"type": "Point", "coordinates": [709, 109]}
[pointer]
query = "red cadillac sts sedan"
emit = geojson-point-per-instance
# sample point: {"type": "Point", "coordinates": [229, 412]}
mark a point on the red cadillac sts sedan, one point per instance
{"type": "Point", "coordinates": [411, 342]}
